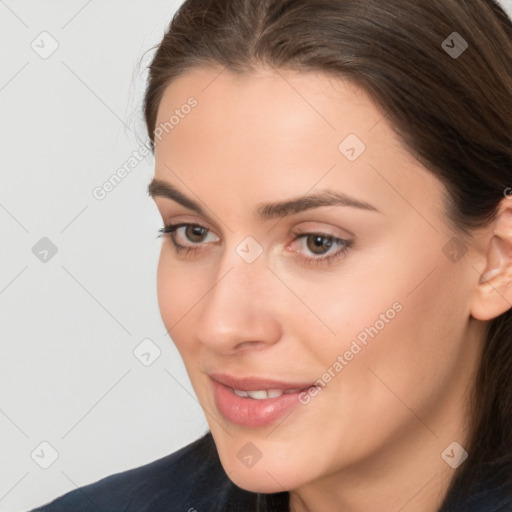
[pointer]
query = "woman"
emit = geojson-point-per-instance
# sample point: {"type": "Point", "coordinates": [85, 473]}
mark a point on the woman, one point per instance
{"type": "Point", "coordinates": [336, 270]}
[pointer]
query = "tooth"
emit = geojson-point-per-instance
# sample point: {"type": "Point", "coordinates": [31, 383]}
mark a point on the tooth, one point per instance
{"type": "Point", "coordinates": [263, 394]}
{"type": "Point", "coordinates": [258, 395]}
{"type": "Point", "coordinates": [274, 393]}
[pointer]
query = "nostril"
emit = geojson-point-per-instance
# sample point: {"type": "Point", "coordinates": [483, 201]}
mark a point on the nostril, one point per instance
{"type": "Point", "coordinates": [255, 345]}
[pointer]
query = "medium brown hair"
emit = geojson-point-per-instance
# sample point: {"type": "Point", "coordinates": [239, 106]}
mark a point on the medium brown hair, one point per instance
{"type": "Point", "coordinates": [454, 114]}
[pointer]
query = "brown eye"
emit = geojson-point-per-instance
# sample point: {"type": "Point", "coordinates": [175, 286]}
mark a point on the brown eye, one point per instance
{"type": "Point", "coordinates": [318, 244]}
{"type": "Point", "coordinates": [195, 233]}
{"type": "Point", "coordinates": [192, 237]}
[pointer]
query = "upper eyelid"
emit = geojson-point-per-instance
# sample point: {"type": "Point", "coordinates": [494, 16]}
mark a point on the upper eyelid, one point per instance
{"type": "Point", "coordinates": [317, 232]}
{"type": "Point", "coordinates": [297, 233]}
{"type": "Point", "coordinates": [178, 225]}
{"type": "Point", "coordinates": [189, 222]}
{"type": "Point", "coordinates": [295, 230]}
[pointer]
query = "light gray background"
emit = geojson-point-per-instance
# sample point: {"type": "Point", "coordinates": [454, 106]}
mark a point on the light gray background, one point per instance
{"type": "Point", "coordinates": [70, 325]}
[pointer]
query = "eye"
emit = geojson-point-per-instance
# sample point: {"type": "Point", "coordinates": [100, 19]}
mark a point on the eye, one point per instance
{"type": "Point", "coordinates": [319, 247]}
{"type": "Point", "coordinates": [188, 236]}
{"type": "Point", "coordinates": [318, 244]}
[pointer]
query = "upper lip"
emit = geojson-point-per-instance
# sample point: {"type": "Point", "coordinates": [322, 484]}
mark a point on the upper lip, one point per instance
{"type": "Point", "coordinates": [256, 383]}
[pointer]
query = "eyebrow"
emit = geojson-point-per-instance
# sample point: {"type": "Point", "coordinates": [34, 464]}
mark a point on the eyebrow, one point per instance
{"type": "Point", "coordinates": [159, 188]}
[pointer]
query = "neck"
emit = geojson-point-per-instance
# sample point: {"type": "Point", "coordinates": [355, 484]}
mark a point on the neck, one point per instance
{"type": "Point", "coordinates": [417, 480]}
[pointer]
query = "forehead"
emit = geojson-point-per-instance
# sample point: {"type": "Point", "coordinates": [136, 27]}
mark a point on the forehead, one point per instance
{"type": "Point", "coordinates": [266, 94]}
{"type": "Point", "coordinates": [282, 132]}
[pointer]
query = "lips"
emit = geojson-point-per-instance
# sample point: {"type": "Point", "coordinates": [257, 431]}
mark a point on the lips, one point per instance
{"type": "Point", "coordinates": [255, 402]}
{"type": "Point", "coordinates": [259, 384]}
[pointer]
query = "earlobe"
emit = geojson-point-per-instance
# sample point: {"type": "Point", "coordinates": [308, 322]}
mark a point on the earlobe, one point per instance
{"type": "Point", "coordinates": [493, 292]}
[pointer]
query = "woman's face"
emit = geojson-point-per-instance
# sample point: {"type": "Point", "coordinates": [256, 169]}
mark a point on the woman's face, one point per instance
{"type": "Point", "coordinates": [314, 249]}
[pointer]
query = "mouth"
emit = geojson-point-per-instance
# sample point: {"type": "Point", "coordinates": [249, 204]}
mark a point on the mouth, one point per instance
{"type": "Point", "coordinates": [264, 394]}
{"type": "Point", "coordinates": [255, 402]}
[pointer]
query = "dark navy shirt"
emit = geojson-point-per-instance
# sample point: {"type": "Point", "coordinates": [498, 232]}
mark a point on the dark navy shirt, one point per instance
{"type": "Point", "coordinates": [192, 480]}
{"type": "Point", "coordinates": [189, 480]}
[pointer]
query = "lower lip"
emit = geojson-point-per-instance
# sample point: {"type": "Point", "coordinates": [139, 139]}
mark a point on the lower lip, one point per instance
{"type": "Point", "coordinates": [249, 412]}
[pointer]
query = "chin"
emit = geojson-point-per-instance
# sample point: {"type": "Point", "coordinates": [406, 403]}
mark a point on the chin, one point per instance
{"type": "Point", "coordinates": [262, 484]}
{"type": "Point", "coordinates": [270, 474]}
{"type": "Point", "coordinates": [261, 481]}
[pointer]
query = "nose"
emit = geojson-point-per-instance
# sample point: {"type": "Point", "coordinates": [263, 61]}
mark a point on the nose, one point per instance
{"type": "Point", "coordinates": [240, 311]}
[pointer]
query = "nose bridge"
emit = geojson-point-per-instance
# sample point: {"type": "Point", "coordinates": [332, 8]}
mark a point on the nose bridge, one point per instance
{"type": "Point", "coordinates": [238, 288]}
{"type": "Point", "coordinates": [243, 275]}
{"type": "Point", "coordinates": [238, 306]}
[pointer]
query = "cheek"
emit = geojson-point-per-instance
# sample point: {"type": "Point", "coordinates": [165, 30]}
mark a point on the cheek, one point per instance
{"type": "Point", "coordinates": [407, 291]}
{"type": "Point", "coordinates": [413, 362]}
{"type": "Point", "coordinates": [402, 320]}
{"type": "Point", "coordinates": [179, 289]}
{"type": "Point", "coordinates": [329, 311]}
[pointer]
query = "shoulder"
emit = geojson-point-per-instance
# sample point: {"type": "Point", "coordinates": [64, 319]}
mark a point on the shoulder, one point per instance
{"type": "Point", "coordinates": [187, 480]}
{"type": "Point", "coordinates": [489, 494]}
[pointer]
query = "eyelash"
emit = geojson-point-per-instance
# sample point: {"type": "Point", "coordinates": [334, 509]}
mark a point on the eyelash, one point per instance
{"type": "Point", "coordinates": [169, 229]}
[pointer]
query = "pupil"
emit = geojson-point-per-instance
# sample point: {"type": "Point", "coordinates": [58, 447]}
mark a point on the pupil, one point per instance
{"type": "Point", "coordinates": [318, 244]}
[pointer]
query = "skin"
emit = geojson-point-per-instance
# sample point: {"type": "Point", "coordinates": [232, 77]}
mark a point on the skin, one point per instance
{"type": "Point", "coordinates": [373, 437]}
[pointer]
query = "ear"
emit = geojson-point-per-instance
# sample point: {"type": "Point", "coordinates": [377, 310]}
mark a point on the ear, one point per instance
{"type": "Point", "coordinates": [493, 293]}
